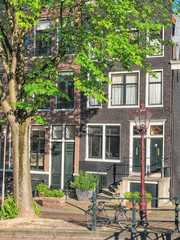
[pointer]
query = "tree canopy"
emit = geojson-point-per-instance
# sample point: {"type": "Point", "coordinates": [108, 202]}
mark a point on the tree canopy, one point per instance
{"type": "Point", "coordinates": [98, 33]}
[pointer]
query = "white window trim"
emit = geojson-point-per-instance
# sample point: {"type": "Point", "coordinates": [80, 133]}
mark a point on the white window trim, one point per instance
{"type": "Point", "coordinates": [147, 137]}
{"type": "Point", "coordinates": [64, 73]}
{"type": "Point", "coordinates": [147, 89]}
{"type": "Point", "coordinates": [103, 159]}
{"type": "Point", "coordinates": [35, 29]}
{"type": "Point", "coordinates": [157, 56]}
{"type": "Point", "coordinates": [109, 90]}
{"type": "Point", "coordinates": [150, 182]}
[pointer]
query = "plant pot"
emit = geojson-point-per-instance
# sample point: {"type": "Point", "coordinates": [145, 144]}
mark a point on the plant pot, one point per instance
{"type": "Point", "coordinates": [84, 195]}
{"type": "Point", "coordinates": [53, 202]}
{"type": "Point", "coordinates": [40, 194]}
{"type": "Point", "coordinates": [130, 205]}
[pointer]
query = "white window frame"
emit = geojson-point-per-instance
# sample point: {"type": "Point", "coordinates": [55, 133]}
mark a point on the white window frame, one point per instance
{"type": "Point", "coordinates": [162, 55]}
{"type": "Point", "coordinates": [103, 159]}
{"type": "Point", "coordinates": [35, 30]}
{"type": "Point", "coordinates": [110, 90]}
{"type": "Point", "coordinates": [148, 137]}
{"type": "Point", "coordinates": [147, 90]}
{"type": "Point", "coordinates": [64, 73]}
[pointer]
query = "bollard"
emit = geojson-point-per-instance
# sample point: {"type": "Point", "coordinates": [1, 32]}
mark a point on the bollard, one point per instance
{"type": "Point", "coordinates": [133, 229]}
{"type": "Point", "coordinates": [94, 213]}
{"type": "Point", "coordinates": [176, 230]}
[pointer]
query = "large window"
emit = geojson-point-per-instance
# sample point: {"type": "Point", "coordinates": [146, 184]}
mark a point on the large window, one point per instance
{"type": "Point", "coordinates": [124, 89]}
{"type": "Point", "coordinates": [155, 89]}
{"type": "Point", "coordinates": [37, 148]}
{"type": "Point", "coordinates": [43, 38]}
{"type": "Point", "coordinates": [66, 86]}
{"type": "Point", "coordinates": [103, 142]}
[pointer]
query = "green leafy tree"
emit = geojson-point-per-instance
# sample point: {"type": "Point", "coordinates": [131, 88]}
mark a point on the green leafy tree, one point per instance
{"type": "Point", "coordinates": [102, 33]}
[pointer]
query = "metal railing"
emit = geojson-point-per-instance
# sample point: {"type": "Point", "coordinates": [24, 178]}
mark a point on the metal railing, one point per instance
{"type": "Point", "coordinates": [134, 210]}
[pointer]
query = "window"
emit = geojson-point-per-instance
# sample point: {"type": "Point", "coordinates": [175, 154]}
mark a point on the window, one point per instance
{"type": "Point", "coordinates": [95, 142]}
{"type": "Point", "coordinates": [112, 142]}
{"type": "Point", "coordinates": [57, 132]}
{"type": "Point", "coordinates": [26, 45]}
{"type": "Point", "coordinates": [103, 142]}
{"type": "Point", "coordinates": [93, 102]}
{"type": "Point", "coordinates": [155, 89]}
{"type": "Point", "coordinates": [37, 148]}
{"type": "Point", "coordinates": [66, 85]}
{"type": "Point", "coordinates": [155, 39]}
{"type": "Point", "coordinates": [43, 38]}
{"type": "Point", "coordinates": [124, 89]}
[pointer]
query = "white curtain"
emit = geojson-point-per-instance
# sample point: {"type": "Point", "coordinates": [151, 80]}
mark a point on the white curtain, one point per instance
{"type": "Point", "coordinates": [117, 95]}
{"type": "Point", "coordinates": [155, 89]}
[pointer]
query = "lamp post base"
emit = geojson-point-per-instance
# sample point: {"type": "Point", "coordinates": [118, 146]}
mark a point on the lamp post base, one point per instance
{"type": "Point", "coordinates": [143, 221]}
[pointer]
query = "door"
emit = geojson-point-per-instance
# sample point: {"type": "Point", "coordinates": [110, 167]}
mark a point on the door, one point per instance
{"type": "Point", "coordinates": [68, 163]}
{"type": "Point", "coordinates": [56, 165]}
{"type": "Point", "coordinates": [137, 154]}
{"type": "Point", "coordinates": [156, 154]}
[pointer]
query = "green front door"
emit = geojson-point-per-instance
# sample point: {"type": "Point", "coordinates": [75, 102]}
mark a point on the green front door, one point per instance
{"type": "Point", "coordinates": [56, 165]}
{"type": "Point", "coordinates": [156, 154]}
{"type": "Point", "coordinates": [68, 163]}
{"type": "Point", "coordinates": [137, 154]}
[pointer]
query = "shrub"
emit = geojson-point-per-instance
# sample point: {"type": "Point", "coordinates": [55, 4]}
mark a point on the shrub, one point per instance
{"type": "Point", "coordinates": [9, 209]}
{"type": "Point", "coordinates": [84, 181]}
{"type": "Point", "coordinates": [38, 212]}
{"type": "Point", "coordinates": [137, 195]}
{"type": "Point", "coordinates": [53, 193]}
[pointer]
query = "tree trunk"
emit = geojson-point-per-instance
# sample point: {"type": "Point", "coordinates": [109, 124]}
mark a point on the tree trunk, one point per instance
{"type": "Point", "coordinates": [21, 169]}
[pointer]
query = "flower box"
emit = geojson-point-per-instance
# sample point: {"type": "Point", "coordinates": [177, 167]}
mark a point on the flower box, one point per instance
{"type": "Point", "coordinates": [53, 202]}
{"type": "Point", "coordinates": [130, 205]}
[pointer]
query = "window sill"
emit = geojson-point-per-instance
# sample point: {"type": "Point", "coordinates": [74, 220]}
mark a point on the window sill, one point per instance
{"type": "Point", "coordinates": [39, 172]}
{"type": "Point", "coordinates": [102, 160]}
{"type": "Point", "coordinates": [64, 109]}
{"type": "Point", "coordinates": [155, 106]}
{"type": "Point", "coordinates": [124, 106]}
{"type": "Point", "coordinates": [155, 56]}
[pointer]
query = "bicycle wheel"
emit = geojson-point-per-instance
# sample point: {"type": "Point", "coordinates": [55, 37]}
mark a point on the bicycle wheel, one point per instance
{"type": "Point", "coordinates": [89, 218]}
{"type": "Point", "coordinates": [123, 219]}
{"type": "Point", "coordinates": [101, 218]}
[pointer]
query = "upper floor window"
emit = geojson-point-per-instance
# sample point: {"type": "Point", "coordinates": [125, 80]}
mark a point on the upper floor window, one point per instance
{"type": "Point", "coordinates": [155, 39]}
{"type": "Point", "coordinates": [155, 89]}
{"type": "Point", "coordinates": [43, 38]}
{"type": "Point", "coordinates": [66, 86]}
{"type": "Point", "coordinates": [124, 89]}
{"type": "Point", "coordinates": [93, 102]}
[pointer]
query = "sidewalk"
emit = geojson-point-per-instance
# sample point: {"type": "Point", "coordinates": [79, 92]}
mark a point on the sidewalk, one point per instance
{"type": "Point", "coordinates": [69, 223]}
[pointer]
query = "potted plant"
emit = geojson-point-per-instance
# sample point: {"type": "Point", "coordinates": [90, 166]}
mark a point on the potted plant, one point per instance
{"type": "Point", "coordinates": [136, 194]}
{"type": "Point", "coordinates": [41, 188]}
{"type": "Point", "coordinates": [85, 184]}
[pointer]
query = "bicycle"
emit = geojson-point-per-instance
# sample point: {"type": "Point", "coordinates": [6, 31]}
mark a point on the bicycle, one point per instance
{"type": "Point", "coordinates": [122, 215]}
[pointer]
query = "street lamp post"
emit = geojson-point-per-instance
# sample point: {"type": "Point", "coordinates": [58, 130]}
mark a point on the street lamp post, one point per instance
{"type": "Point", "coordinates": [142, 119]}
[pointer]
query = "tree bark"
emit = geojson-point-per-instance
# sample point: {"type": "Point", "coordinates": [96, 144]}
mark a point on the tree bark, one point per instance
{"type": "Point", "coordinates": [21, 169]}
